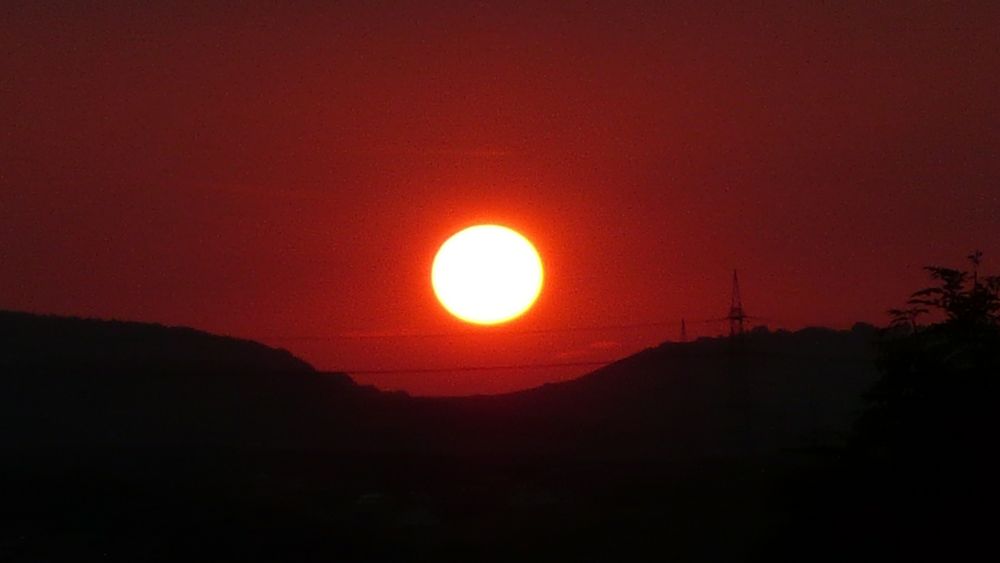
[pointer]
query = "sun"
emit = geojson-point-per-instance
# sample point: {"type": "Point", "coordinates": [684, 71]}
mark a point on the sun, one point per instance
{"type": "Point", "coordinates": [487, 274]}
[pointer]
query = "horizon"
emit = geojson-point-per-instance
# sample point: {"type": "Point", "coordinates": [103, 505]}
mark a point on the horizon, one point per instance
{"type": "Point", "coordinates": [287, 174]}
{"type": "Point", "coordinates": [554, 373]}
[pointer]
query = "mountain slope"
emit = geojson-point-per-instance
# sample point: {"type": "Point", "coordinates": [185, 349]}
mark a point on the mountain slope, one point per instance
{"type": "Point", "coordinates": [38, 343]}
{"type": "Point", "coordinates": [85, 382]}
{"type": "Point", "coordinates": [772, 391]}
{"type": "Point", "coordinates": [123, 441]}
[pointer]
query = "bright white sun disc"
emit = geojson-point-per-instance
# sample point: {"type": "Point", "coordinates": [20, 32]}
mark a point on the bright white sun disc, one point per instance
{"type": "Point", "coordinates": [487, 274]}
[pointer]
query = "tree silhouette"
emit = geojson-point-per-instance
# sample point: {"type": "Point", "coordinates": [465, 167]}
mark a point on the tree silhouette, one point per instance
{"type": "Point", "coordinates": [934, 399]}
{"type": "Point", "coordinates": [967, 305]}
{"type": "Point", "coordinates": [921, 455]}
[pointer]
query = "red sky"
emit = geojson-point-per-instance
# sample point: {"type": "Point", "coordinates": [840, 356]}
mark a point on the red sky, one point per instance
{"type": "Point", "coordinates": [286, 174]}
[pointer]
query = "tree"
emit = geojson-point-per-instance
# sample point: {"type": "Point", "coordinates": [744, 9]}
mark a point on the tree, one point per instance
{"type": "Point", "coordinates": [922, 453]}
{"type": "Point", "coordinates": [966, 305]}
{"type": "Point", "coordinates": [935, 397]}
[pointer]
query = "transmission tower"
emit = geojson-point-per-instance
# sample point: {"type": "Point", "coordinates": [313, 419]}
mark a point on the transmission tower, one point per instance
{"type": "Point", "coordinates": [736, 315]}
{"type": "Point", "coordinates": [684, 332]}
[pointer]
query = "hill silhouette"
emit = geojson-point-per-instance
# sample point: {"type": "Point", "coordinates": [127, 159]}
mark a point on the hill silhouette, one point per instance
{"type": "Point", "coordinates": [234, 450]}
{"type": "Point", "coordinates": [84, 382]}
{"type": "Point", "coordinates": [700, 399]}
{"type": "Point", "coordinates": [52, 344]}
{"type": "Point", "coordinates": [780, 390]}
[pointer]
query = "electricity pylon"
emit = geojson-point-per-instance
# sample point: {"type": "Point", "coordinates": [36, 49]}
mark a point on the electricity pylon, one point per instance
{"type": "Point", "coordinates": [736, 315]}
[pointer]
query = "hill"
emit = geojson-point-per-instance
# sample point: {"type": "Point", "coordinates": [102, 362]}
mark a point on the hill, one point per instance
{"type": "Point", "coordinates": [82, 383]}
{"type": "Point", "coordinates": [84, 380]}
{"type": "Point", "coordinates": [52, 344]}
{"type": "Point", "coordinates": [771, 391]}
{"type": "Point", "coordinates": [126, 441]}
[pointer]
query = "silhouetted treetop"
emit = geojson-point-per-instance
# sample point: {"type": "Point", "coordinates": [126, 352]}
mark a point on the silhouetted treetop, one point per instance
{"type": "Point", "coordinates": [966, 299]}
{"type": "Point", "coordinates": [938, 381]}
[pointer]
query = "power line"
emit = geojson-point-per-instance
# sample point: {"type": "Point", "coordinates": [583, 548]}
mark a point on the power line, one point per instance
{"type": "Point", "coordinates": [375, 335]}
{"type": "Point", "coordinates": [736, 320]}
{"type": "Point", "coordinates": [475, 368]}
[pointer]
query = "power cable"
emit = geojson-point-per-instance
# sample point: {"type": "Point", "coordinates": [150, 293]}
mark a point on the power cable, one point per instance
{"type": "Point", "coordinates": [361, 335]}
{"type": "Point", "coordinates": [475, 368]}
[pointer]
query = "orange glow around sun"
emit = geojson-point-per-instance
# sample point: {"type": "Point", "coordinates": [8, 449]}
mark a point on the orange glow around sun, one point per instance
{"type": "Point", "coordinates": [487, 274]}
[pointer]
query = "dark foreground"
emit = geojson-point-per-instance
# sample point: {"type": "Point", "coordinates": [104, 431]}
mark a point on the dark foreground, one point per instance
{"type": "Point", "coordinates": [174, 445]}
{"type": "Point", "coordinates": [117, 505]}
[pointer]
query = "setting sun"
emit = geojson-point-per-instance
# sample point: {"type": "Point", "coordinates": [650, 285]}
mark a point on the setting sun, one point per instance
{"type": "Point", "coordinates": [487, 274]}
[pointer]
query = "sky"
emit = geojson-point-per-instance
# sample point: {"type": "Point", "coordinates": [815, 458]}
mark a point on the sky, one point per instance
{"type": "Point", "coordinates": [287, 174]}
